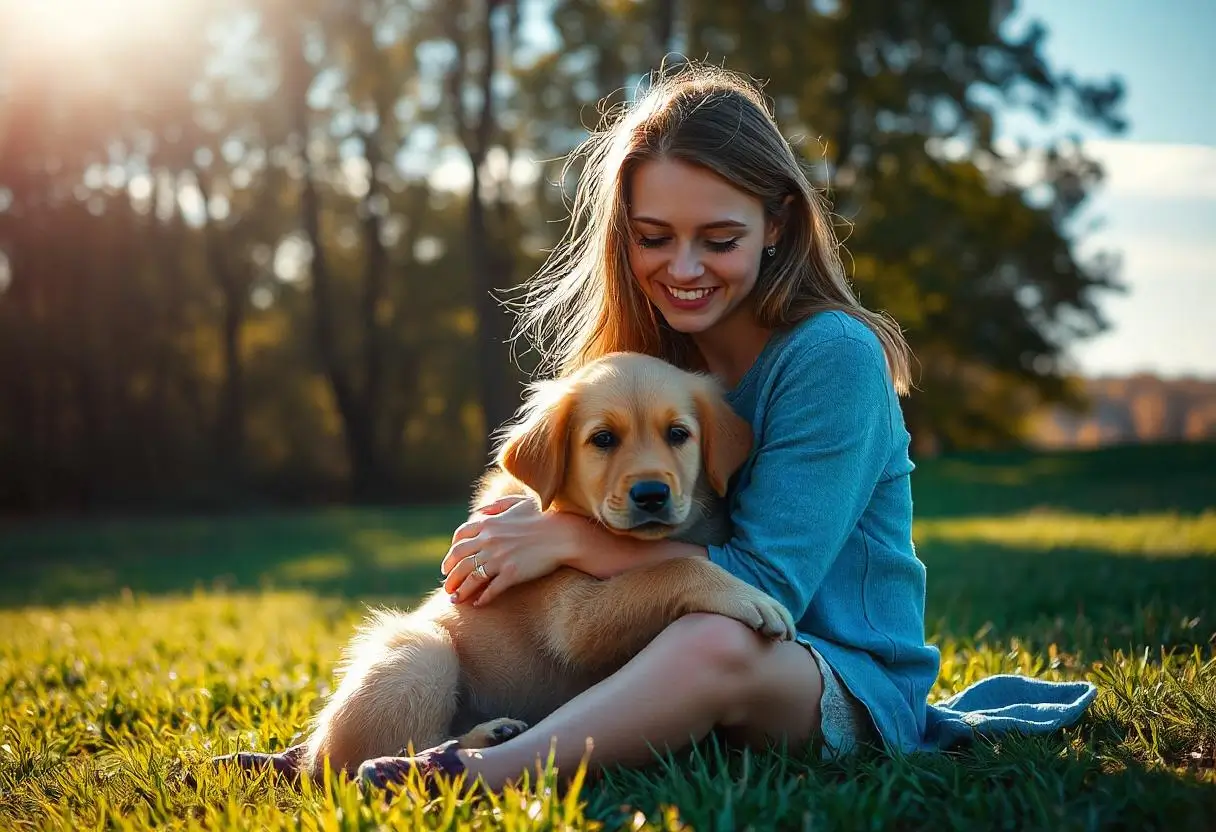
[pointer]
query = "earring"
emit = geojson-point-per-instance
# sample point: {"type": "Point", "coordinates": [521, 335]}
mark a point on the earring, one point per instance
{"type": "Point", "coordinates": [770, 251]}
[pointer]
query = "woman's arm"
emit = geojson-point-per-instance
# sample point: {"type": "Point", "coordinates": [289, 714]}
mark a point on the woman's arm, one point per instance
{"type": "Point", "coordinates": [828, 435]}
{"type": "Point", "coordinates": [515, 542]}
{"type": "Point", "coordinates": [605, 554]}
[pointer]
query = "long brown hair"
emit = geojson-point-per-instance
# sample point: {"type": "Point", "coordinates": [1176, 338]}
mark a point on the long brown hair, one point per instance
{"type": "Point", "coordinates": [584, 302]}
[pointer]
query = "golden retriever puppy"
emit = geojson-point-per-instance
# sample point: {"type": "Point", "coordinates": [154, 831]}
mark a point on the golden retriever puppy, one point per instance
{"type": "Point", "coordinates": [635, 444]}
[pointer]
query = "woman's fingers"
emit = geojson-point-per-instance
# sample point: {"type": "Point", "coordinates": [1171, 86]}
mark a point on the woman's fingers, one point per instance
{"type": "Point", "coordinates": [492, 590]}
{"type": "Point", "coordinates": [460, 554]}
{"type": "Point", "coordinates": [469, 528]}
{"type": "Point", "coordinates": [464, 543]}
{"type": "Point", "coordinates": [463, 555]}
{"type": "Point", "coordinates": [468, 551]}
{"type": "Point", "coordinates": [472, 527]}
{"type": "Point", "coordinates": [504, 576]}
{"type": "Point", "coordinates": [500, 505]}
{"type": "Point", "coordinates": [466, 581]}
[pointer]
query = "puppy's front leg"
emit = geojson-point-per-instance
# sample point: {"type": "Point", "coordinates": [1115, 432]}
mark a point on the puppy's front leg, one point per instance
{"type": "Point", "coordinates": [596, 624]}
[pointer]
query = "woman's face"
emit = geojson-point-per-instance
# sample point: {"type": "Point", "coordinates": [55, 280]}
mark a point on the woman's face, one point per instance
{"type": "Point", "coordinates": [695, 243]}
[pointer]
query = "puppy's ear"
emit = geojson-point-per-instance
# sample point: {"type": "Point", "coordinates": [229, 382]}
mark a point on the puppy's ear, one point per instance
{"type": "Point", "coordinates": [535, 450]}
{"type": "Point", "coordinates": [726, 438]}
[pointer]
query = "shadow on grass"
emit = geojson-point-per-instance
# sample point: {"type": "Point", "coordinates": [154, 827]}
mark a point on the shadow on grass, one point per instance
{"type": "Point", "coordinates": [357, 553]}
{"type": "Point", "coordinates": [1019, 783]}
{"type": "Point", "coordinates": [1079, 599]}
{"type": "Point", "coordinates": [1140, 478]}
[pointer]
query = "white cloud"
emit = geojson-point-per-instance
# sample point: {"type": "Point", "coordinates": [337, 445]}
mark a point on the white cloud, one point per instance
{"type": "Point", "coordinates": [1154, 170]}
{"type": "Point", "coordinates": [1144, 170]}
{"type": "Point", "coordinates": [1147, 258]}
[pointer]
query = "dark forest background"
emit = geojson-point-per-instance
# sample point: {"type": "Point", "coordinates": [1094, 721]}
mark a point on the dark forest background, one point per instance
{"type": "Point", "coordinates": [247, 256]}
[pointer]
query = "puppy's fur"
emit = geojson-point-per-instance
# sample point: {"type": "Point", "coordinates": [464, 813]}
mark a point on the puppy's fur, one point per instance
{"type": "Point", "coordinates": [581, 445]}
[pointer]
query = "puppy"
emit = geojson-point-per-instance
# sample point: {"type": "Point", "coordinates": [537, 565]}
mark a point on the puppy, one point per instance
{"type": "Point", "coordinates": [633, 443]}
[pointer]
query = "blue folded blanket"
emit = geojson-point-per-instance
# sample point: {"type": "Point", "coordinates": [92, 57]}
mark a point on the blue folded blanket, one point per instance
{"type": "Point", "coordinates": [1004, 704]}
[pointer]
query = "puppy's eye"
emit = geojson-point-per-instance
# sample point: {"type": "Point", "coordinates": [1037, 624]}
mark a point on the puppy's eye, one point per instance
{"type": "Point", "coordinates": [603, 439]}
{"type": "Point", "coordinates": [678, 435]}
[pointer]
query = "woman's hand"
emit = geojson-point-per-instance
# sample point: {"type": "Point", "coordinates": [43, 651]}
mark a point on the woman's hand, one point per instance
{"type": "Point", "coordinates": [505, 543]}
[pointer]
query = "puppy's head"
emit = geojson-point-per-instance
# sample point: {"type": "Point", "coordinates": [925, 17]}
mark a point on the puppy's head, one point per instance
{"type": "Point", "coordinates": [628, 440]}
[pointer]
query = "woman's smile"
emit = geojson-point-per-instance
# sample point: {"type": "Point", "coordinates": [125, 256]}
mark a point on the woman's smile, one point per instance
{"type": "Point", "coordinates": [690, 299]}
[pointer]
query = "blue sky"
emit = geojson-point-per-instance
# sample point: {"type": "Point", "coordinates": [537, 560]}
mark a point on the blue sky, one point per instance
{"type": "Point", "coordinates": [1159, 201]}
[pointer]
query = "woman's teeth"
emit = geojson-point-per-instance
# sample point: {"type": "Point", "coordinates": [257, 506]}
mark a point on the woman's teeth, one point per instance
{"type": "Point", "coordinates": [687, 294]}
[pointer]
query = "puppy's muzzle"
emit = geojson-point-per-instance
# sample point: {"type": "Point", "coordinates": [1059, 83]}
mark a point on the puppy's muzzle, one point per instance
{"type": "Point", "coordinates": [650, 502]}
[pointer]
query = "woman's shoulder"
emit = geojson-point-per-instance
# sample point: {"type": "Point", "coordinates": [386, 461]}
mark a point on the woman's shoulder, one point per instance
{"type": "Point", "coordinates": [829, 378]}
{"type": "Point", "coordinates": [833, 338]}
{"type": "Point", "coordinates": [809, 362]}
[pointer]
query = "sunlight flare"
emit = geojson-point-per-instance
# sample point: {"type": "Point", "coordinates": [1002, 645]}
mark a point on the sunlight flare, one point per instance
{"type": "Point", "coordinates": [89, 26]}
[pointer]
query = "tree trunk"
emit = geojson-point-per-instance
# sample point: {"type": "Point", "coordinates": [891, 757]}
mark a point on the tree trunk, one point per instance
{"type": "Point", "coordinates": [665, 29]}
{"type": "Point", "coordinates": [497, 388]}
{"type": "Point", "coordinates": [358, 430]}
{"type": "Point", "coordinates": [231, 422]}
{"type": "Point", "coordinates": [230, 418]}
{"type": "Point", "coordinates": [366, 480]}
{"type": "Point", "coordinates": [375, 265]}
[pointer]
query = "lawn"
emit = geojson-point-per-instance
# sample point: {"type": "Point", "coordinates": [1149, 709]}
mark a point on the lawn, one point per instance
{"type": "Point", "coordinates": [130, 650]}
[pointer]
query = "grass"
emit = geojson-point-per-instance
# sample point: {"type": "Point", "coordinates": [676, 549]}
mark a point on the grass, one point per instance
{"type": "Point", "coordinates": [131, 650]}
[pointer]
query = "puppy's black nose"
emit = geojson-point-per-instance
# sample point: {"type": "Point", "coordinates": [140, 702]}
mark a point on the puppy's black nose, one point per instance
{"type": "Point", "coordinates": [650, 496]}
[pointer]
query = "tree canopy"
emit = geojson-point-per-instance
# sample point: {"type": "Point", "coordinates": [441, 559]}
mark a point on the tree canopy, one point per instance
{"type": "Point", "coordinates": [248, 248]}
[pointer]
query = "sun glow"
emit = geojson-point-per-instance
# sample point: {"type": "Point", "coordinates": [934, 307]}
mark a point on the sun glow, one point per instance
{"type": "Point", "coordinates": [87, 26]}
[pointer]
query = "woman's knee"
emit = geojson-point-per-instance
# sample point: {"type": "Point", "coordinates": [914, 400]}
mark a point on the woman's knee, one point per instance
{"type": "Point", "coordinates": [760, 688]}
{"type": "Point", "coordinates": [716, 644]}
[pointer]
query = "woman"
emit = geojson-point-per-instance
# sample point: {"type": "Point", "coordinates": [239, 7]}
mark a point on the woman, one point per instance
{"type": "Point", "coordinates": [697, 237]}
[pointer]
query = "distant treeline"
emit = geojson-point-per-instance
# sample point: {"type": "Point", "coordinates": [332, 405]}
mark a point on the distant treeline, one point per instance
{"type": "Point", "coordinates": [1132, 409]}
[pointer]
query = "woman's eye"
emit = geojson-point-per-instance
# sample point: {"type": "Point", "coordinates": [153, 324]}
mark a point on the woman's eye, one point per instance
{"type": "Point", "coordinates": [678, 435]}
{"type": "Point", "coordinates": [603, 439]}
{"type": "Point", "coordinates": [716, 246]}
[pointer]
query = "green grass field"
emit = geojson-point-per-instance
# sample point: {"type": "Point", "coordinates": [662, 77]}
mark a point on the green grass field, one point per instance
{"type": "Point", "coordinates": [131, 650]}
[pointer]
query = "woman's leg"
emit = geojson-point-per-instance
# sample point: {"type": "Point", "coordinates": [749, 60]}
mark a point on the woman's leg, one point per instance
{"type": "Point", "coordinates": [702, 672]}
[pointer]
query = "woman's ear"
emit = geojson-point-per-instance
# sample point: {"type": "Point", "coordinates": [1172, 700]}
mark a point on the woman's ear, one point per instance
{"type": "Point", "coordinates": [535, 450]}
{"type": "Point", "coordinates": [726, 439]}
{"type": "Point", "coordinates": [774, 224]}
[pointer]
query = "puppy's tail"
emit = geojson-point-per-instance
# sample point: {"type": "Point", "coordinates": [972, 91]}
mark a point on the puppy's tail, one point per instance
{"type": "Point", "coordinates": [399, 682]}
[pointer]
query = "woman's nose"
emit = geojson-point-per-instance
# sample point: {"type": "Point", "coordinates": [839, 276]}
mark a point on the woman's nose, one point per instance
{"type": "Point", "coordinates": [684, 264]}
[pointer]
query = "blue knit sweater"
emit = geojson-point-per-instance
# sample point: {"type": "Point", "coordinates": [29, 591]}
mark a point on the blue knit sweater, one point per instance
{"type": "Point", "coordinates": [822, 515]}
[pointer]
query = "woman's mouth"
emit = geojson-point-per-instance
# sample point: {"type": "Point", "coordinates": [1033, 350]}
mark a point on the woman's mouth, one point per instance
{"type": "Point", "coordinates": [689, 298]}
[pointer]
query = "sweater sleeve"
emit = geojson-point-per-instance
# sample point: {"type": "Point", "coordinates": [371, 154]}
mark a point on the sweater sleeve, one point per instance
{"type": "Point", "coordinates": [825, 441]}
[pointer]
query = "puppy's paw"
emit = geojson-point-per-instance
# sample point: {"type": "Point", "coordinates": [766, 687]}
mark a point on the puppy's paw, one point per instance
{"type": "Point", "coordinates": [779, 624]}
{"type": "Point", "coordinates": [759, 611]}
{"type": "Point", "coordinates": [494, 732]}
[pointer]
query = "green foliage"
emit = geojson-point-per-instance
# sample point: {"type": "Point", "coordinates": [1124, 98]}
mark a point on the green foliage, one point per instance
{"type": "Point", "coordinates": [277, 280]}
{"type": "Point", "coordinates": [130, 652]}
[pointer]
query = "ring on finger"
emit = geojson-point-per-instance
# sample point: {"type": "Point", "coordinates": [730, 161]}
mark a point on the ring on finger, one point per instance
{"type": "Point", "coordinates": [479, 568]}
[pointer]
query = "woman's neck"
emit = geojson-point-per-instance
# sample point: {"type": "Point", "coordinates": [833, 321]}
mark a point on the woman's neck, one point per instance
{"type": "Point", "coordinates": [732, 347]}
